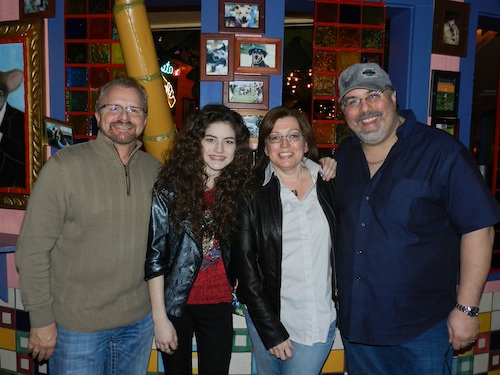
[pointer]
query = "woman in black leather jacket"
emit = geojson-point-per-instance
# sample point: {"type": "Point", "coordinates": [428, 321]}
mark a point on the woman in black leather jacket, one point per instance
{"type": "Point", "coordinates": [188, 262]}
{"type": "Point", "coordinates": [283, 251]}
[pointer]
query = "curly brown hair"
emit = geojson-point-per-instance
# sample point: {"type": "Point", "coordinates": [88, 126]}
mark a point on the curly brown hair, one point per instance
{"type": "Point", "coordinates": [184, 174]}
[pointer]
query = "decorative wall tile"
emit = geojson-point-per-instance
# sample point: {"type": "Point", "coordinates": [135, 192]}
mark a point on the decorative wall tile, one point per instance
{"type": "Point", "coordinates": [22, 339]}
{"type": "Point", "coordinates": [486, 302]}
{"type": "Point", "coordinates": [480, 363]}
{"type": "Point", "coordinates": [465, 365]}
{"type": "Point", "coordinates": [495, 320]}
{"type": "Point", "coordinates": [41, 369]}
{"type": "Point", "coordinates": [494, 340]}
{"type": "Point", "coordinates": [241, 340]}
{"type": "Point", "coordinates": [482, 343]}
{"type": "Point", "coordinates": [496, 301]}
{"type": "Point", "coordinates": [7, 318]}
{"type": "Point", "coordinates": [22, 321]}
{"type": "Point", "coordinates": [241, 363]}
{"type": "Point", "coordinates": [24, 364]}
{"type": "Point", "coordinates": [484, 322]}
{"type": "Point", "coordinates": [8, 360]}
{"type": "Point", "coordinates": [7, 339]}
{"type": "Point", "coordinates": [334, 362]}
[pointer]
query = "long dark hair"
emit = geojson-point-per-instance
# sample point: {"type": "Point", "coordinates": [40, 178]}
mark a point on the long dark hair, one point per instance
{"type": "Point", "coordinates": [267, 126]}
{"type": "Point", "coordinates": [184, 173]}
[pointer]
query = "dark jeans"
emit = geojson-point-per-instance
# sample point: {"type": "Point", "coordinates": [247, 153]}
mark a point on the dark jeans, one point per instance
{"type": "Point", "coordinates": [427, 354]}
{"type": "Point", "coordinates": [213, 327]}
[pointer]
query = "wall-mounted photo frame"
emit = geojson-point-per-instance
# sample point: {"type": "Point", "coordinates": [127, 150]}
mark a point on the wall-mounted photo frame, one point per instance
{"type": "Point", "coordinates": [252, 118]}
{"type": "Point", "coordinates": [248, 92]}
{"type": "Point", "coordinates": [21, 154]}
{"type": "Point", "coordinates": [445, 90]}
{"type": "Point", "coordinates": [451, 25]}
{"type": "Point", "coordinates": [58, 134]}
{"type": "Point", "coordinates": [257, 55]}
{"type": "Point", "coordinates": [449, 125]}
{"type": "Point", "coordinates": [37, 9]}
{"type": "Point", "coordinates": [242, 17]}
{"type": "Point", "coordinates": [216, 57]}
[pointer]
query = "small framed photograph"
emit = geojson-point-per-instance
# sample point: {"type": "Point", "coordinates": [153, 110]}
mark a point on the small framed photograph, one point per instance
{"type": "Point", "coordinates": [248, 92]}
{"type": "Point", "coordinates": [58, 134]}
{"type": "Point", "coordinates": [451, 24]}
{"type": "Point", "coordinates": [252, 118]}
{"type": "Point", "coordinates": [445, 90]}
{"type": "Point", "coordinates": [37, 8]}
{"type": "Point", "coordinates": [449, 125]}
{"type": "Point", "coordinates": [257, 55]}
{"type": "Point", "coordinates": [242, 17]}
{"type": "Point", "coordinates": [216, 57]}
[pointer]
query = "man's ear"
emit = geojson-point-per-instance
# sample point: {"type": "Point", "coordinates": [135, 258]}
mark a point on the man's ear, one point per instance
{"type": "Point", "coordinates": [13, 79]}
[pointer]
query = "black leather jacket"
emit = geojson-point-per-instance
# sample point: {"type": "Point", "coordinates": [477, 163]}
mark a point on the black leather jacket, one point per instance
{"type": "Point", "coordinates": [257, 252]}
{"type": "Point", "coordinates": [175, 253]}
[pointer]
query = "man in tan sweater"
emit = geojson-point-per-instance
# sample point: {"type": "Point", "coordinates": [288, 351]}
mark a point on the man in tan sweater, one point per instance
{"type": "Point", "coordinates": [82, 246]}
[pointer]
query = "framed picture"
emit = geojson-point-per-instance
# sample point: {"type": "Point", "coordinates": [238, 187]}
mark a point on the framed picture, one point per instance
{"type": "Point", "coordinates": [21, 73]}
{"type": "Point", "coordinates": [249, 92]}
{"type": "Point", "coordinates": [37, 8]}
{"type": "Point", "coordinates": [252, 118]}
{"type": "Point", "coordinates": [216, 57]}
{"type": "Point", "coordinates": [449, 125]}
{"type": "Point", "coordinates": [445, 90]}
{"type": "Point", "coordinates": [242, 17]}
{"type": "Point", "coordinates": [58, 134]}
{"type": "Point", "coordinates": [451, 25]}
{"type": "Point", "coordinates": [257, 55]}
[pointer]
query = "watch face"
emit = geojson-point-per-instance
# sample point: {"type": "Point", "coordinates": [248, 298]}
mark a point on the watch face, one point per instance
{"type": "Point", "coordinates": [474, 311]}
{"type": "Point", "coordinates": [469, 310]}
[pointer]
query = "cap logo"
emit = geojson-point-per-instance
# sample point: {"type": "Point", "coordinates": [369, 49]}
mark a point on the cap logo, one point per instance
{"type": "Point", "coordinates": [369, 72]}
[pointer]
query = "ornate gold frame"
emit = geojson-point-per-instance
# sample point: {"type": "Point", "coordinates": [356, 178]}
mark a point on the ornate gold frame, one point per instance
{"type": "Point", "coordinates": [30, 33]}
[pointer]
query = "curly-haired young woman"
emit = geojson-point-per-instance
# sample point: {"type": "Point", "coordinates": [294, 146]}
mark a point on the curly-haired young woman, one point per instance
{"type": "Point", "coordinates": [193, 216]}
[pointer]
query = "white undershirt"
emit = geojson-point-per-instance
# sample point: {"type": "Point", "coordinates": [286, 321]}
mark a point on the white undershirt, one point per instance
{"type": "Point", "coordinates": [307, 309]}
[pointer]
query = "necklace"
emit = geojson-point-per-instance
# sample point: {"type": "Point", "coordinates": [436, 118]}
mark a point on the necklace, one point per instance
{"type": "Point", "coordinates": [295, 191]}
{"type": "Point", "coordinates": [376, 162]}
{"type": "Point", "coordinates": [208, 240]}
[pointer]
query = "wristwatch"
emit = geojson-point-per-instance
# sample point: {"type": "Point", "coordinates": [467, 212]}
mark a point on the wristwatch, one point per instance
{"type": "Point", "coordinates": [469, 310]}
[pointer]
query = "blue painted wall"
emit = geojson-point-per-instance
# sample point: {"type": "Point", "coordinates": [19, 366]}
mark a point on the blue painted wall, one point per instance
{"type": "Point", "coordinates": [56, 63]}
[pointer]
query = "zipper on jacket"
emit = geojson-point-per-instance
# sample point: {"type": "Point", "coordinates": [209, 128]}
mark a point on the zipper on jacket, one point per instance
{"type": "Point", "coordinates": [127, 179]}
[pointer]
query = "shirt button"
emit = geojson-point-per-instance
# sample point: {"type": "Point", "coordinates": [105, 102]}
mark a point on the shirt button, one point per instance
{"type": "Point", "coordinates": [358, 278]}
{"type": "Point", "coordinates": [363, 224]}
{"type": "Point", "coordinates": [367, 198]}
{"type": "Point", "coordinates": [360, 251]}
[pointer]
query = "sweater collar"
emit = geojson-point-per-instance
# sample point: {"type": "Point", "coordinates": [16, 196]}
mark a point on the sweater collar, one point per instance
{"type": "Point", "coordinates": [107, 148]}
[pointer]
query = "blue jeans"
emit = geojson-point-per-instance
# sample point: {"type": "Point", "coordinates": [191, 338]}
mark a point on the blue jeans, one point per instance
{"type": "Point", "coordinates": [429, 353]}
{"type": "Point", "coordinates": [306, 360]}
{"type": "Point", "coordinates": [120, 351]}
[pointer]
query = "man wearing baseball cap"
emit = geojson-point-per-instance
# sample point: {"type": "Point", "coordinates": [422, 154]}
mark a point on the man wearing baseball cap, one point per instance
{"type": "Point", "coordinates": [415, 217]}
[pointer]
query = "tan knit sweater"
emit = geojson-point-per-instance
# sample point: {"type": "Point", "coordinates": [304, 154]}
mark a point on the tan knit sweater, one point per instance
{"type": "Point", "coordinates": [82, 245]}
